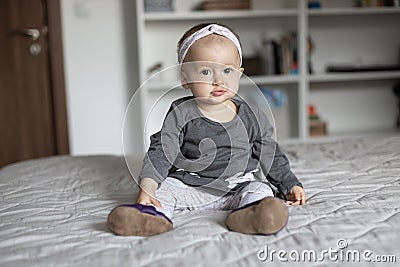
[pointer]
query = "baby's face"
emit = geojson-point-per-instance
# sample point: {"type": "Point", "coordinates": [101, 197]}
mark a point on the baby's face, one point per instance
{"type": "Point", "coordinates": [212, 69]}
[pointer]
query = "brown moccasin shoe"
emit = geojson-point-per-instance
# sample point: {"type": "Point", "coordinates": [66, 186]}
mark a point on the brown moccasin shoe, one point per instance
{"type": "Point", "coordinates": [267, 216]}
{"type": "Point", "coordinates": [138, 220]}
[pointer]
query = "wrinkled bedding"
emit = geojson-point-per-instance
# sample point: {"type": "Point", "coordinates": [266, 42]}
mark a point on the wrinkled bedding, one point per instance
{"type": "Point", "coordinates": [53, 213]}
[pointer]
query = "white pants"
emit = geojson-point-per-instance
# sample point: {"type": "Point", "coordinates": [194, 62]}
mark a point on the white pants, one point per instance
{"type": "Point", "coordinates": [175, 195]}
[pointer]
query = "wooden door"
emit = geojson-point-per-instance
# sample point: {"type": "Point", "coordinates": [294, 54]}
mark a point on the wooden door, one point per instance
{"type": "Point", "coordinates": [32, 98]}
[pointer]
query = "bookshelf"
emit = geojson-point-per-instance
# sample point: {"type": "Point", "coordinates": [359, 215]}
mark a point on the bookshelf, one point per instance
{"type": "Point", "coordinates": [342, 33]}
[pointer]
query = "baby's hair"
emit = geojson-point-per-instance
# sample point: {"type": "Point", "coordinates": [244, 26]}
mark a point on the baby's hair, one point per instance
{"type": "Point", "coordinates": [200, 26]}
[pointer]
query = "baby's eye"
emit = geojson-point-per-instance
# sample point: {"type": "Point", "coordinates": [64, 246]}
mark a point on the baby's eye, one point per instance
{"type": "Point", "coordinates": [206, 72]}
{"type": "Point", "coordinates": [228, 70]}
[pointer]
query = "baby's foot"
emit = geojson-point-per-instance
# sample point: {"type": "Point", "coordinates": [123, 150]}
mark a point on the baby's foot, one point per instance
{"type": "Point", "coordinates": [138, 220]}
{"type": "Point", "coordinates": [267, 216]}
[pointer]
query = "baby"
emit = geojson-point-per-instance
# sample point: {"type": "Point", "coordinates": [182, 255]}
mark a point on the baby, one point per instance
{"type": "Point", "coordinates": [214, 151]}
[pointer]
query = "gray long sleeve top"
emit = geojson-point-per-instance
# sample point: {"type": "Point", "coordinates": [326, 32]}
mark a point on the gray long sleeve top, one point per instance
{"type": "Point", "coordinates": [202, 152]}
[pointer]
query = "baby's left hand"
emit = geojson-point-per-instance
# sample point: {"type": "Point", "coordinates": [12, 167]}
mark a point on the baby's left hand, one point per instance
{"type": "Point", "coordinates": [296, 196]}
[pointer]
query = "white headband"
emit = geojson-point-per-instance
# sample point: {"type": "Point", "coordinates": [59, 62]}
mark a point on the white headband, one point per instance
{"type": "Point", "coordinates": [210, 29]}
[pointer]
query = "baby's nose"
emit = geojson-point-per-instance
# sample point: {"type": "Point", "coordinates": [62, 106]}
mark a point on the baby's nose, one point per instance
{"type": "Point", "coordinates": [218, 80]}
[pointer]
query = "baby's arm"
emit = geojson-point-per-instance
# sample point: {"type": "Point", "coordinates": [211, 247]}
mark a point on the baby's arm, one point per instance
{"type": "Point", "coordinates": [147, 192]}
{"type": "Point", "coordinates": [156, 164]}
{"type": "Point", "coordinates": [283, 178]}
{"type": "Point", "coordinates": [277, 165]}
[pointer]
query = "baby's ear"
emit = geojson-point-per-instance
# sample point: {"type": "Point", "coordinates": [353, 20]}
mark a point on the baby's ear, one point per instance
{"type": "Point", "coordinates": [241, 70]}
{"type": "Point", "coordinates": [184, 82]}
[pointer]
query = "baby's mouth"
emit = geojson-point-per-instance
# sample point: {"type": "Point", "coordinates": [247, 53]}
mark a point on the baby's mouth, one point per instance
{"type": "Point", "coordinates": [218, 92]}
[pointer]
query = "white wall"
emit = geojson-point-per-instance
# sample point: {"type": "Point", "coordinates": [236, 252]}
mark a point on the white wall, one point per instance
{"type": "Point", "coordinates": [96, 74]}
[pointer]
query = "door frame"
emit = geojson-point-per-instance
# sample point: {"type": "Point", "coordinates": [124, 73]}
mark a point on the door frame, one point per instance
{"type": "Point", "coordinates": [57, 79]}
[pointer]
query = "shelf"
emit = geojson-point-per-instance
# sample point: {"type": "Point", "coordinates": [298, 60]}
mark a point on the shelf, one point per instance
{"type": "Point", "coordinates": [357, 134]}
{"type": "Point", "coordinates": [334, 137]}
{"type": "Point", "coordinates": [218, 15]}
{"type": "Point", "coordinates": [276, 79]}
{"type": "Point", "coordinates": [355, 76]}
{"type": "Point", "coordinates": [245, 14]}
{"type": "Point", "coordinates": [353, 11]}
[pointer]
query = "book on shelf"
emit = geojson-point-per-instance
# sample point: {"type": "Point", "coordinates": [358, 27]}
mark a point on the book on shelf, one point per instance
{"type": "Point", "coordinates": [280, 56]}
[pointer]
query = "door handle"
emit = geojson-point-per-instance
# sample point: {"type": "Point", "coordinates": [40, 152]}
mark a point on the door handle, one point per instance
{"type": "Point", "coordinates": [33, 34]}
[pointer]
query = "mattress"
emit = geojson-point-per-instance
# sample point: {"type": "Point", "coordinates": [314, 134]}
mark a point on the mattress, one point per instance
{"type": "Point", "coordinates": [53, 213]}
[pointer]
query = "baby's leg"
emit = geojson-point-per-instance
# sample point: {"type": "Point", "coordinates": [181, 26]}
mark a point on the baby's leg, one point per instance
{"type": "Point", "coordinates": [253, 192]}
{"type": "Point", "coordinates": [259, 212]}
{"type": "Point", "coordinates": [167, 194]}
{"type": "Point", "coordinates": [175, 195]}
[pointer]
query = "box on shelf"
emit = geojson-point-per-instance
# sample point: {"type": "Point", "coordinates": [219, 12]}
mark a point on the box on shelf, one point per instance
{"type": "Point", "coordinates": [317, 128]}
{"type": "Point", "coordinates": [252, 65]}
{"type": "Point", "coordinates": [225, 4]}
{"type": "Point", "coordinates": [158, 5]}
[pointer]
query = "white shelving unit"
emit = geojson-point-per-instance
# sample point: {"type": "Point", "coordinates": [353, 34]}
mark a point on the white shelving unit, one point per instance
{"type": "Point", "coordinates": [341, 32]}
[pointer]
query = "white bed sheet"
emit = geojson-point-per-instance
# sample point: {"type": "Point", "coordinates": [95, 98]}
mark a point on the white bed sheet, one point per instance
{"type": "Point", "coordinates": [53, 213]}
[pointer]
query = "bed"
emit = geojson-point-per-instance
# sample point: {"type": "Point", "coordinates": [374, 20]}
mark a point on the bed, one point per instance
{"type": "Point", "coordinates": [54, 212]}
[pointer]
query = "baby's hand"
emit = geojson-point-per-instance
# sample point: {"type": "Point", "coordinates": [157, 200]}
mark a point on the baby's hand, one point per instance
{"type": "Point", "coordinates": [147, 192]}
{"type": "Point", "coordinates": [145, 199]}
{"type": "Point", "coordinates": [296, 196]}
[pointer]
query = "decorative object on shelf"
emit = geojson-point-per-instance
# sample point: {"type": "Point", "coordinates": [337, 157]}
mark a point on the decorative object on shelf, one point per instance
{"type": "Point", "coordinates": [225, 4]}
{"type": "Point", "coordinates": [294, 66]}
{"type": "Point", "coordinates": [317, 127]}
{"type": "Point", "coordinates": [310, 51]}
{"type": "Point", "coordinates": [314, 4]}
{"type": "Point", "coordinates": [396, 91]}
{"type": "Point", "coordinates": [158, 5]}
{"type": "Point", "coordinates": [252, 65]}
{"type": "Point", "coordinates": [275, 97]}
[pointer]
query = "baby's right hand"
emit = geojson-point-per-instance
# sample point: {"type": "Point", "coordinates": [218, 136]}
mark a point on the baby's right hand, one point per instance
{"type": "Point", "coordinates": [145, 199]}
{"type": "Point", "coordinates": [147, 192]}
